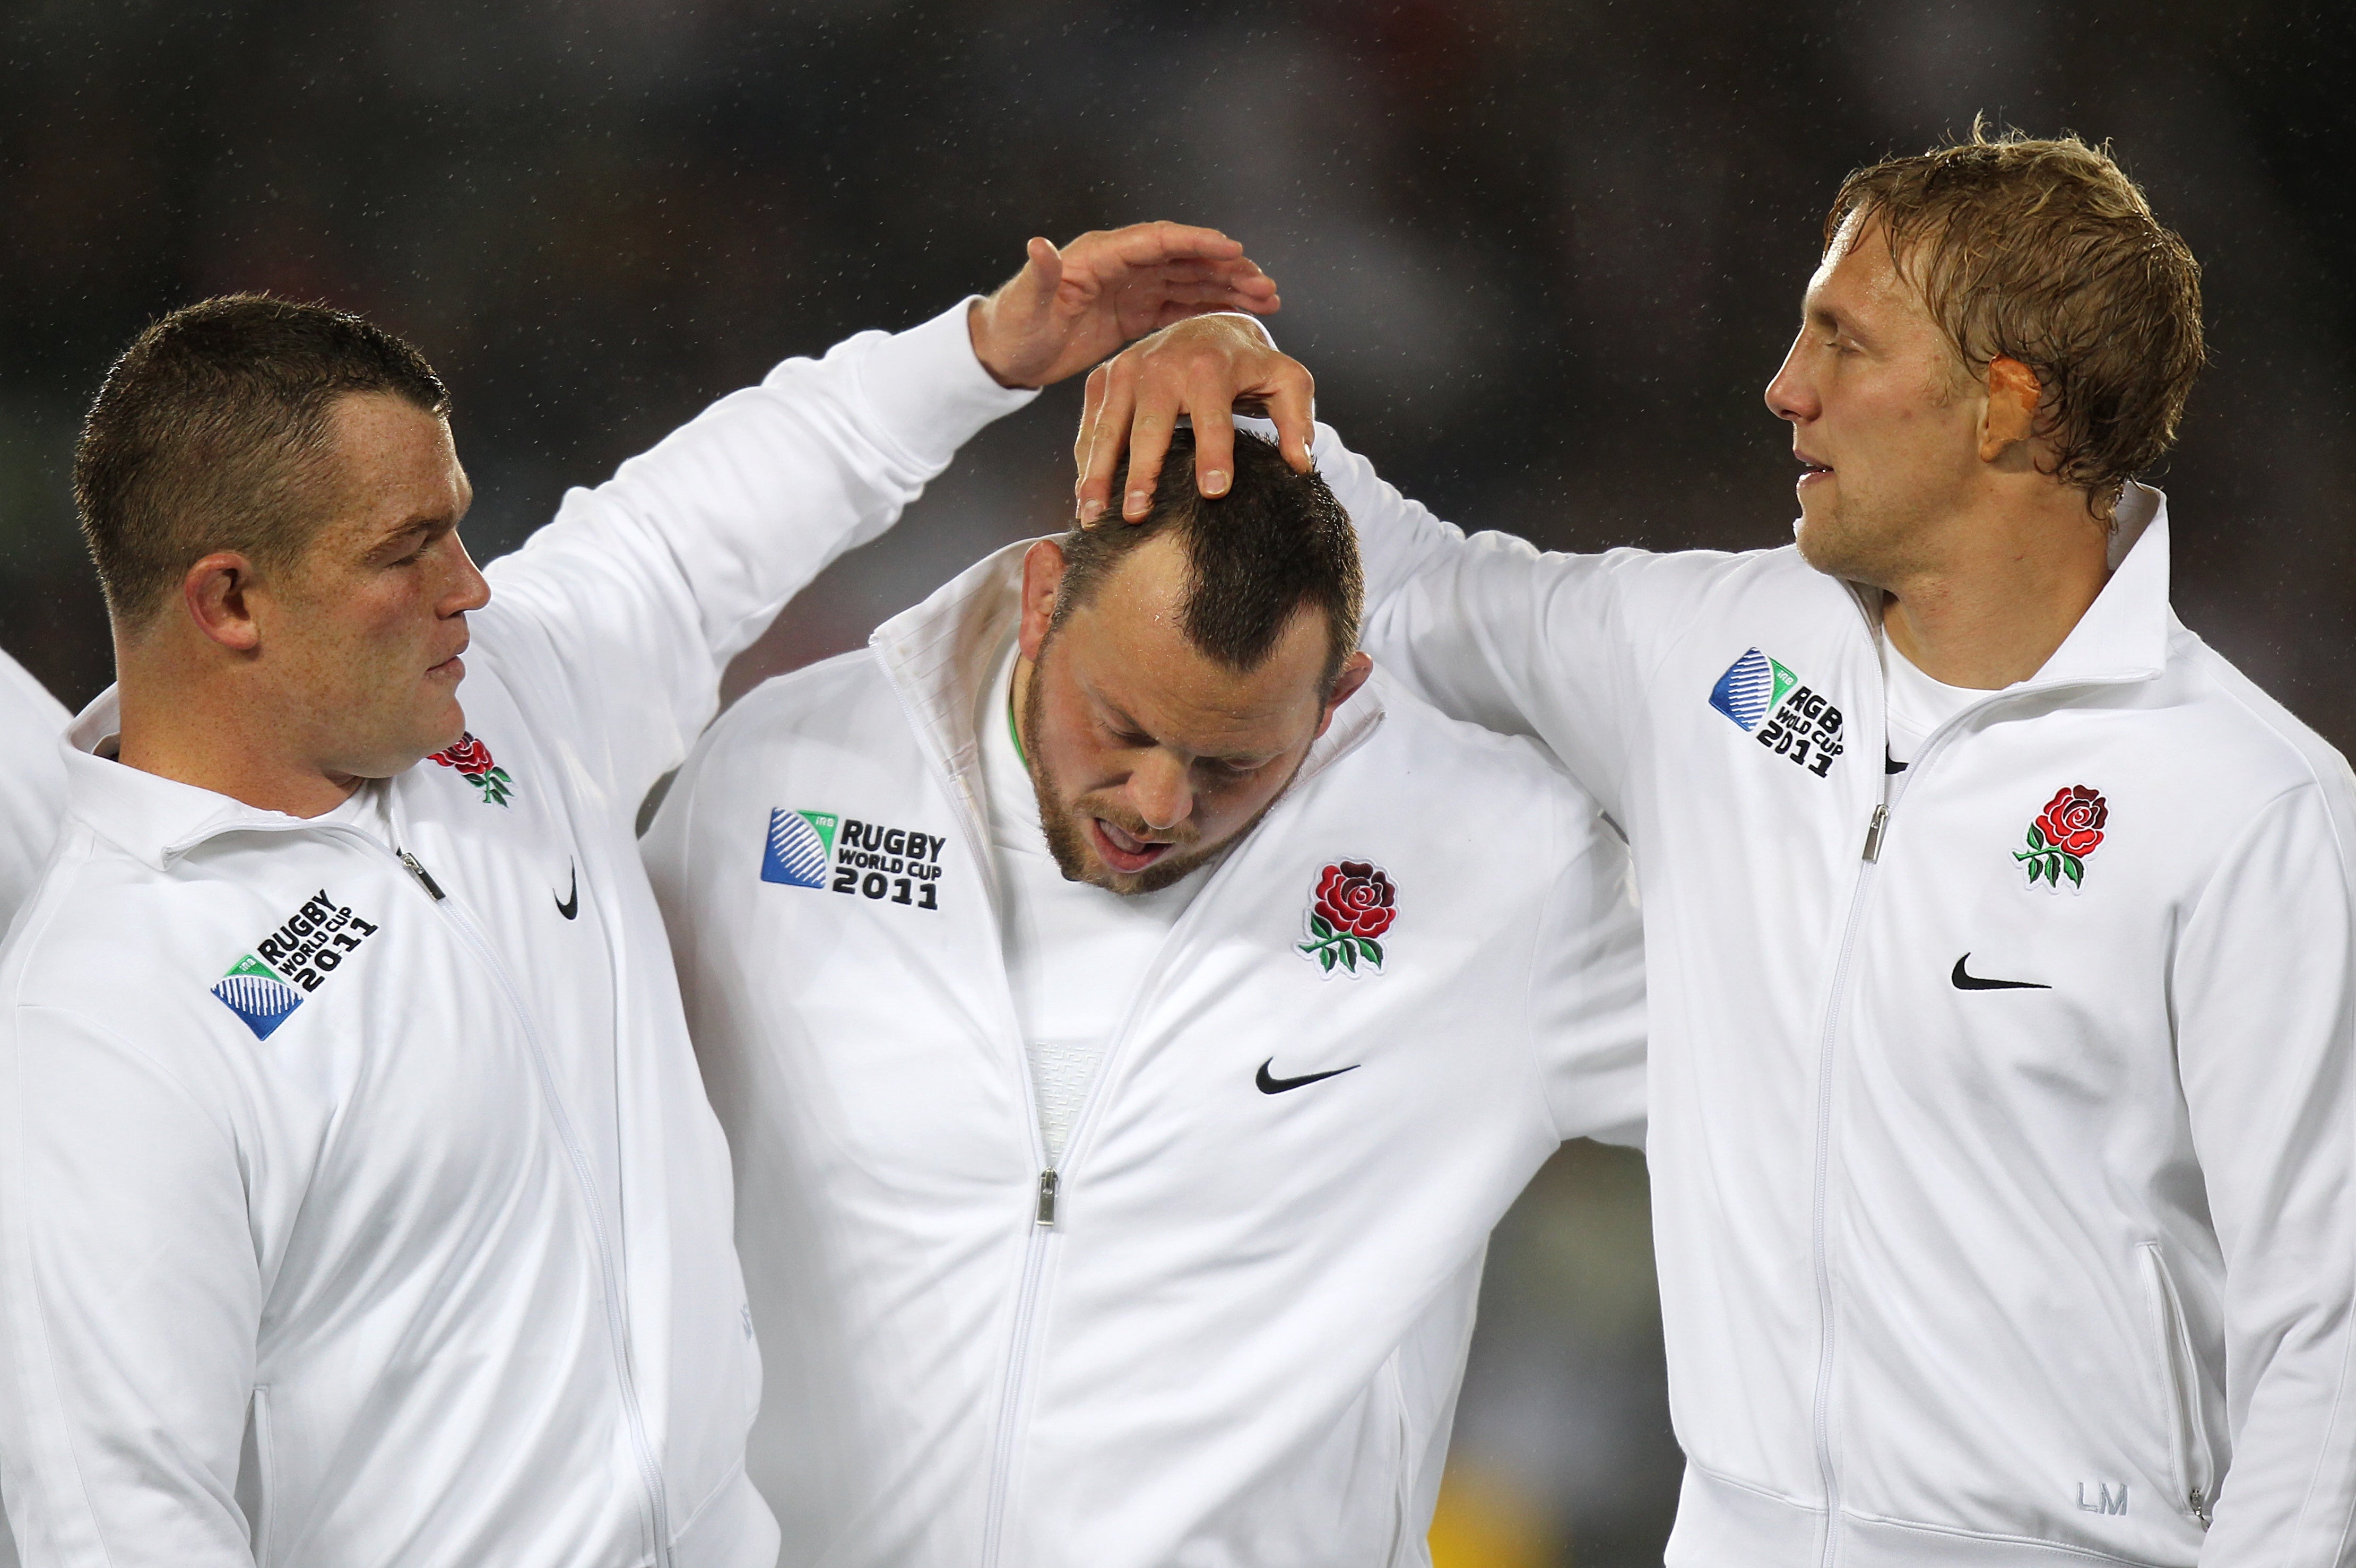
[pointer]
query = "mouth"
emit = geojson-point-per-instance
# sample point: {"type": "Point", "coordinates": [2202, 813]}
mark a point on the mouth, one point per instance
{"type": "Point", "coordinates": [1121, 850]}
{"type": "Point", "coordinates": [1812, 471]}
{"type": "Point", "coordinates": [453, 667]}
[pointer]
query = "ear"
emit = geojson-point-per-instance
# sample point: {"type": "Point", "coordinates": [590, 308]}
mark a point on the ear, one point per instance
{"type": "Point", "coordinates": [1354, 671]}
{"type": "Point", "coordinates": [215, 592]}
{"type": "Point", "coordinates": [1042, 577]}
{"type": "Point", "coordinates": [2010, 419]}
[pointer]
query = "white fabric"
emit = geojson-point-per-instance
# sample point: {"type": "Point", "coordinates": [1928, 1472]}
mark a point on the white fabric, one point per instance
{"type": "Point", "coordinates": [32, 798]}
{"type": "Point", "coordinates": [1075, 953]}
{"type": "Point", "coordinates": [1238, 1343]}
{"type": "Point", "coordinates": [1917, 704]}
{"type": "Point", "coordinates": [1969, 1271]}
{"type": "Point", "coordinates": [437, 1270]}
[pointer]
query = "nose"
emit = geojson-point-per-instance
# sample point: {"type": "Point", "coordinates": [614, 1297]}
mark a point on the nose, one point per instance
{"type": "Point", "coordinates": [1160, 792]}
{"type": "Point", "coordinates": [468, 589]}
{"type": "Point", "coordinates": [1790, 395]}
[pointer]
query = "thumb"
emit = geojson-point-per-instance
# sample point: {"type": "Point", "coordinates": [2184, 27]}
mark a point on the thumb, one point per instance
{"type": "Point", "coordinates": [1031, 289]}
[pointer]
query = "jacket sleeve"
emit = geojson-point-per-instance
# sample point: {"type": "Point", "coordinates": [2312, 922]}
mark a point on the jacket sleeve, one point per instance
{"type": "Point", "coordinates": [132, 1296]}
{"type": "Point", "coordinates": [1587, 989]}
{"type": "Point", "coordinates": [642, 590]}
{"type": "Point", "coordinates": [1486, 628]}
{"type": "Point", "coordinates": [2264, 1052]}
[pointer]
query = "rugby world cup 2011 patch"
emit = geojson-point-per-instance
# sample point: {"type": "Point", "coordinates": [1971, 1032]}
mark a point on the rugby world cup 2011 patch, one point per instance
{"type": "Point", "coordinates": [265, 986]}
{"type": "Point", "coordinates": [846, 855]}
{"type": "Point", "coordinates": [1780, 711]}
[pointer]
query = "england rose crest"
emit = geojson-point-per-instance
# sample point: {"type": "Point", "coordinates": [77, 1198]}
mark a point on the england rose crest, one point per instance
{"type": "Point", "coordinates": [2064, 834]}
{"type": "Point", "coordinates": [1353, 905]}
{"type": "Point", "coordinates": [473, 761]}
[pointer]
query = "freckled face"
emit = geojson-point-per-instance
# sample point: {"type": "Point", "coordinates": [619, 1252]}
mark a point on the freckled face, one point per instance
{"type": "Point", "coordinates": [1148, 756]}
{"type": "Point", "coordinates": [1884, 422]}
{"type": "Point", "coordinates": [365, 628]}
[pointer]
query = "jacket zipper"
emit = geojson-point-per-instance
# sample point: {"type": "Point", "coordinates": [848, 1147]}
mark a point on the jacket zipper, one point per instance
{"type": "Point", "coordinates": [1820, 1223]}
{"type": "Point", "coordinates": [2195, 1465]}
{"type": "Point", "coordinates": [1041, 1224]}
{"type": "Point", "coordinates": [649, 1471]}
{"type": "Point", "coordinates": [1041, 1229]}
{"type": "Point", "coordinates": [1876, 830]}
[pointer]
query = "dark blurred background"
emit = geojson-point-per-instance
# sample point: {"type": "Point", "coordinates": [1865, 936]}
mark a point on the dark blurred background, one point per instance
{"type": "Point", "coordinates": [1541, 256]}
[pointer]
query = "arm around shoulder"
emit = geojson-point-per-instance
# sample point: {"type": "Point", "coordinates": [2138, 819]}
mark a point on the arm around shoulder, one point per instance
{"type": "Point", "coordinates": [645, 588]}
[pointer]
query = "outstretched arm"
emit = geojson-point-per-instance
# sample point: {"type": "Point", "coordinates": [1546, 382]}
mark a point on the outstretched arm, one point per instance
{"type": "Point", "coordinates": [639, 593]}
{"type": "Point", "coordinates": [1485, 627]}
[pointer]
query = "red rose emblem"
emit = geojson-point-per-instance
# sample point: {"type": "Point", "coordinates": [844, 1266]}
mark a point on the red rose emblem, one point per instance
{"type": "Point", "coordinates": [469, 756]}
{"type": "Point", "coordinates": [2064, 834]}
{"type": "Point", "coordinates": [473, 761]}
{"type": "Point", "coordinates": [2072, 820]}
{"type": "Point", "coordinates": [1354, 903]}
{"type": "Point", "coordinates": [1357, 897]}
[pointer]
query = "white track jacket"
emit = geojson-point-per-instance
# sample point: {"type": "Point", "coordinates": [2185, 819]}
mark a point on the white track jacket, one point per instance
{"type": "Point", "coordinates": [32, 798]}
{"type": "Point", "coordinates": [1228, 1331]}
{"type": "Point", "coordinates": [2001, 1108]}
{"type": "Point", "coordinates": [32, 794]}
{"type": "Point", "coordinates": [362, 1213]}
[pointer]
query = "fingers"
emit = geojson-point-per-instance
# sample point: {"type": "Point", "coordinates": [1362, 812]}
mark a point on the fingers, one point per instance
{"type": "Point", "coordinates": [1150, 428]}
{"type": "Point", "coordinates": [1148, 244]}
{"type": "Point", "coordinates": [1111, 398]}
{"type": "Point", "coordinates": [1209, 408]}
{"type": "Point", "coordinates": [1290, 398]}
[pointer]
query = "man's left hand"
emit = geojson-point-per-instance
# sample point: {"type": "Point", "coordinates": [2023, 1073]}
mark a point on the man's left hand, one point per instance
{"type": "Point", "coordinates": [1068, 308]}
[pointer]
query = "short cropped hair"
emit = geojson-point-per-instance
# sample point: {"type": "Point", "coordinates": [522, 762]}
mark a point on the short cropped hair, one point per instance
{"type": "Point", "coordinates": [2046, 252]}
{"type": "Point", "coordinates": [211, 433]}
{"type": "Point", "coordinates": [1276, 544]}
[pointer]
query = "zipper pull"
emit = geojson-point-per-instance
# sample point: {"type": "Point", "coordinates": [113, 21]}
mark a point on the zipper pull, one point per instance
{"type": "Point", "coordinates": [1873, 833]}
{"type": "Point", "coordinates": [2200, 1506]}
{"type": "Point", "coordinates": [424, 878]}
{"type": "Point", "coordinates": [1047, 1197]}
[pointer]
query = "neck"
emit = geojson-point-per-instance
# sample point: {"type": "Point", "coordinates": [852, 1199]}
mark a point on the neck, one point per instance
{"type": "Point", "coordinates": [1992, 610]}
{"type": "Point", "coordinates": [214, 734]}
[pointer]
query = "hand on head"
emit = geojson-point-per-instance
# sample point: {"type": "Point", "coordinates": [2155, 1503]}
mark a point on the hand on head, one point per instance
{"type": "Point", "coordinates": [1206, 369]}
{"type": "Point", "coordinates": [1068, 308]}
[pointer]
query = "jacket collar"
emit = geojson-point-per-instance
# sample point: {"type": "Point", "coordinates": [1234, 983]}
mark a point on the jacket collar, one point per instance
{"type": "Point", "coordinates": [154, 819]}
{"type": "Point", "coordinates": [2124, 634]}
{"type": "Point", "coordinates": [937, 655]}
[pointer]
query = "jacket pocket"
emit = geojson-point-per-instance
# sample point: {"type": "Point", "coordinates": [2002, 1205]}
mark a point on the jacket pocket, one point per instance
{"type": "Point", "coordinates": [1408, 1548]}
{"type": "Point", "coordinates": [257, 1485]}
{"type": "Point", "coordinates": [2180, 1382]}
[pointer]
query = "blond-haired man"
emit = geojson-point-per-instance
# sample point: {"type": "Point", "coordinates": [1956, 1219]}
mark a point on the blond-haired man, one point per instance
{"type": "Point", "coordinates": [1999, 930]}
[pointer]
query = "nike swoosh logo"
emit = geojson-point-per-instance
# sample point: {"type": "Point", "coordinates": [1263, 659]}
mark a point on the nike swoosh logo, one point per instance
{"type": "Point", "coordinates": [1968, 982]}
{"type": "Point", "coordinates": [1279, 1085]}
{"type": "Point", "coordinates": [570, 905]}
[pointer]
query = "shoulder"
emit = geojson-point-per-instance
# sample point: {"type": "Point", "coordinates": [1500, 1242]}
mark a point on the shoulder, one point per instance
{"type": "Point", "coordinates": [835, 723]}
{"type": "Point", "coordinates": [96, 914]}
{"type": "Point", "coordinates": [1447, 770]}
{"type": "Point", "coordinates": [2247, 746]}
{"type": "Point", "coordinates": [833, 702]}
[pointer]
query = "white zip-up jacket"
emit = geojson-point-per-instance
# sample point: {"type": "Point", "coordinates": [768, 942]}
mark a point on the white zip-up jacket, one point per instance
{"type": "Point", "coordinates": [32, 798]}
{"type": "Point", "coordinates": [32, 795]}
{"type": "Point", "coordinates": [2001, 1108]}
{"type": "Point", "coordinates": [1228, 1330]}
{"type": "Point", "coordinates": [357, 1213]}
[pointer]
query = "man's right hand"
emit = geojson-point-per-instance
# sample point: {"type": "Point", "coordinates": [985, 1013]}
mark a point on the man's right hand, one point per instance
{"type": "Point", "coordinates": [1203, 368]}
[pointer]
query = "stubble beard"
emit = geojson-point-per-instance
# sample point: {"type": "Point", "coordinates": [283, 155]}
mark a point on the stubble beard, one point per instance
{"type": "Point", "coordinates": [1067, 839]}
